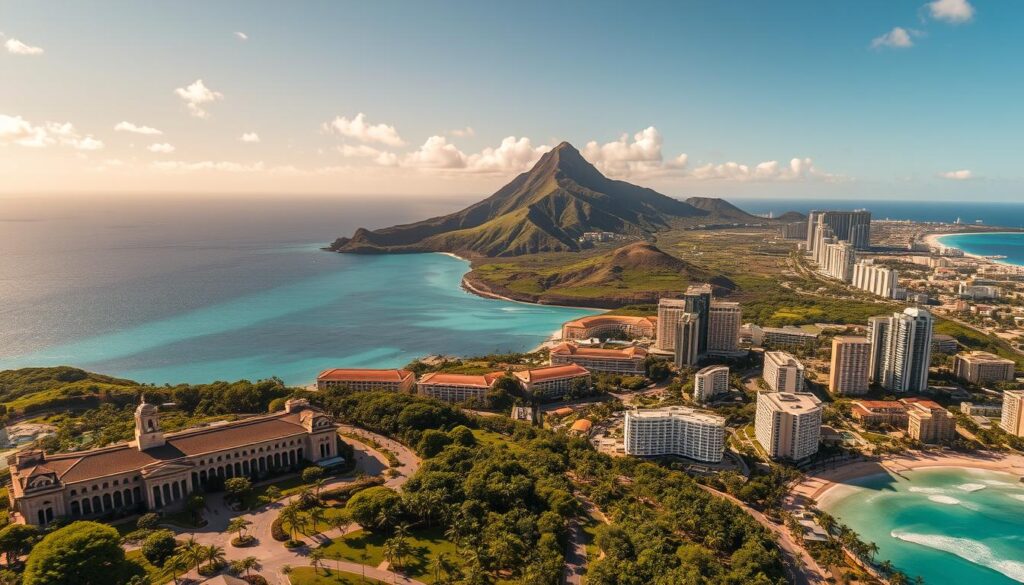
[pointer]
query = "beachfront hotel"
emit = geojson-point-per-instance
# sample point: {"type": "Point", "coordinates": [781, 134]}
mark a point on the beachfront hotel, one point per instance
{"type": "Point", "coordinates": [628, 360]}
{"type": "Point", "coordinates": [874, 278]}
{"type": "Point", "coordinates": [675, 430]}
{"type": "Point", "coordinates": [457, 388]}
{"type": "Point", "coordinates": [1012, 419]}
{"type": "Point", "coordinates": [982, 367]}
{"type": "Point", "coordinates": [158, 472]}
{"type": "Point", "coordinates": [788, 336]}
{"type": "Point", "coordinates": [553, 381]}
{"type": "Point", "coordinates": [788, 424]}
{"type": "Point", "coordinates": [670, 313]}
{"type": "Point", "coordinates": [875, 413]}
{"type": "Point", "coordinates": [928, 422]}
{"type": "Point", "coordinates": [358, 379]}
{"type": "Point", "coordinates": [710, 382]}
{"type": "Point", "coordinates": [783, 372]}
{"type": "Point", "coordinates": [601, 326]}
{"type": "Point", "coordinates": [848, 373]}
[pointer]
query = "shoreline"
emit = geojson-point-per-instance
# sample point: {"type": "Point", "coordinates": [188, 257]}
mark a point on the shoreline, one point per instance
{"type": "Point", "coordinates": [934, 240]}
{"type": "Point", "coordinates": [821, 486]}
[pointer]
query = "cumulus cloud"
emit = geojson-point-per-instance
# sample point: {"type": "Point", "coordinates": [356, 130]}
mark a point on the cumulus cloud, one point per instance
{"type": "Point", "coordinates": [436, 153]}
{"type": "Point", "coordinates": [897, 38]}
{"type": "Point", "coordinates": [772, 170]}
{"type": "Point", "coordinates": [380, 157]}
{"type": "Point", "coordinates": [196, 96]}
{"type": "Point", "coordinates": [627, 157]}
{"type": "Point", "coordinates": [468, 131]}
{"type": "Point", "coordinates": [249, 137]}
{"type": "Point", "coordinates": [961, 175]}
{"type": "Point", "coordinates": [952, 11]}
{"type": "Point", "coordinates": [513, 155]}
{"type": "Point", "coordinates": [359, 129]}
{"type": "Point", "coordinates": [161, 147]}
{"type": "Point", "coordinates": [19, 131]}
{"type": "Point", "coordinates": [129, 127]}
{"type": "Point", "coordinates": [16, 47]}
{"type": "Point", "coordinates": [241, 36]}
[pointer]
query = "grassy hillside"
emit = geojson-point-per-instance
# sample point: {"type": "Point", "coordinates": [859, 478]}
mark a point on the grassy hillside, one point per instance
{"type": "Point", "coordinates": [33, 389]}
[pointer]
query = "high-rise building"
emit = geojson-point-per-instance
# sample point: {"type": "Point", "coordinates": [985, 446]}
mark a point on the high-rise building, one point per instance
{"type": "Point", "coordinates": [796, 230]}
{"type": "Point", "coordinates": [788, 425]}
{"type": "Point", "coordinates": [1012, 420]}
{"type": "Point", "coordinates": [848, 374]}
{"type": "Point", "coordinates": [847, 226]}
{"type": "Point", "coordinates": [670, 312]}
{"type": "Point", "coordinates": [675, 430]}
{"type": "Point", "coordinates": [876, 279]}
{"type": "Point", "coordinates": [710, 382]}
{"type": "Point", "coordinates": [901, 350]}
{"type": "Point", "coordinates": [698, 301]}
{"type": "Point", "coordinates": [982, 367]}
{"type": "Point", "coordinates": [837, 260]}
{"type": "Point", "coordinates": [783, 372]}
{"type": "Point", "coordinates": [687, 342]}
{"type": "Point", "coordinates": [724, 323]}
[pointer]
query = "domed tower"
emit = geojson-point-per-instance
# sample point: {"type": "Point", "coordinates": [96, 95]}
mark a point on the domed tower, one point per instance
{"type": "Point", "coordinates": [147, 426]}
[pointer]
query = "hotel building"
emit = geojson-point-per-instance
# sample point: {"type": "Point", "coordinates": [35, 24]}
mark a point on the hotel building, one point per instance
{"type": "Point", "coordinates": [724, 322]}
{"type": "Point", "coordinates": [362, 379]}
{"type": "Point", "coordinates": [928, 422]}
{"type": "Point", "coordinates": [687, 340]}
{"type": "Point", "coordinates": [788, 425]}
{"type": "Point", "coordinates": [874, 278]}
{"type": "Point", "coordinates": [783, 372]}
{"type": "Point", "coordinates": [457, 387]}
{"type": "Point", "coordinates": [158, 472]}
{"type": "Point", "coordinates": [981, 367]}
{"type": "Point", "coordinates": [983, 410]}
{"type": "Point", "coordinates": [629, 360]}
{"type": "Point", "coordinates": [675, 430]}
{"type": "Point", "coordinates": [553, 381]}
{"type": "Point", "coordinates": [710, 382]}
{"type": "Point", "coordinates": [1012, 420]}
{"type": "Point", "coordinates": [837, 260]}
{"type": "Point", "coordinates": [670, 313]}
{"type": "Point", "coordinates": [875, 413]}
{"type": "Point", "coordinates": [901, 350]}
{"type": "Point", "coordinates": [788, 336]}
{"type": "Point", "coordinates": [848, 374]}
{"type": "Point", "coordinates": [847, 226]}
{"type": "Point", "coordinates": [602, 325]}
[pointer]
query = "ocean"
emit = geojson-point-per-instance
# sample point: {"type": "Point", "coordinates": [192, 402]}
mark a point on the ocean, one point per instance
{"type": "Point", "coordinates": [1010, 245]}
{"type": "Point", "coordinates": [166, 290]}
{"type": "Point", "coordinates": [1006, 214]}
{"type": "Point", "coordinates": [946, 525]}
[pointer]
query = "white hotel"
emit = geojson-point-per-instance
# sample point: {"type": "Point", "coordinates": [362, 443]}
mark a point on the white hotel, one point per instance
{"type": "Point", "coordinates": [788, 424]}
{"type": "Point", "coordinates": [675, 430]}
{"type": "Point", "coordinates": [876, 279]}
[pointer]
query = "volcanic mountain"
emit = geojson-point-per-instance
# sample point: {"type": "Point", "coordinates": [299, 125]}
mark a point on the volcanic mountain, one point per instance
{"type": "Point", "coordinates": [544, 209]}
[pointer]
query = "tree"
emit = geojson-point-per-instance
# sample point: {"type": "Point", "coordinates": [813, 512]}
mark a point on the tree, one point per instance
{"type": "Point", "coordinates": [377, 506]}
{"type": "Point", "coordinates": [316, 558]}
{"type": "Point", "coordinates": [17, 540]}
{"type": "Point", "coordinates": [214, 554]}
{"type": "Point", "coordinates": [441, 567]}
{"type": "Point", "coordinates": [81, 553]}
{"type": "Point", "coordinates": [272, 494]}
{"type": "Point", "coordinates": [292, 516]}
{"type": "Point", "coordinates": [246, 565]}
{"type": "Point", "coordinates": [237, 488]}
{"type": "Point", "coordinates": [461, 435]}
{"type": "Point", "coordinates": [159, 546]}
{"type": "Point", "coordinates": [192, 551]}
{"type": "Point", "coordinates": [195, 505]}
{"type": "Point", "coordinates": [177, 565]}
{"type": "Point", "coordinates": [432, 442]}
{"type": "Point", "coordinates": [316, 516]}
{"type": "Point", "coordinates": [239, 525]}
{"type": "Point", "coordinates": [147, 521]}
{"type": "Point", "coordinates": [312, 473]}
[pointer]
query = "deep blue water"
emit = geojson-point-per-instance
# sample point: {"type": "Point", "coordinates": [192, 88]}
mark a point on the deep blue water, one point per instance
{"type": "Point", "coordinates": [174, 291]}
{"type": "Point", "coordinates": [1010, 245]}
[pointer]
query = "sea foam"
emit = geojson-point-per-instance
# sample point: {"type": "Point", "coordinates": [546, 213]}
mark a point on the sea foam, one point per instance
{"type": "Point", "coordinates": [971, 487]}
{"type": "Point", "coordinates": [944, 500]}
{"type": "Point", "coordinates": [926, 490]}
{"type": "Point", "coordinates": [967, 549]}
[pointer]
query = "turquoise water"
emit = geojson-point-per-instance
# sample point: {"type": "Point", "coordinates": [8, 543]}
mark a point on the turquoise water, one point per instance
{"type": "Point", "coordinates": [945, 525]}
{"type": "Point", "coordinates": [1010, 245]}
{"type": "Point", "coordinates": [339, 310]}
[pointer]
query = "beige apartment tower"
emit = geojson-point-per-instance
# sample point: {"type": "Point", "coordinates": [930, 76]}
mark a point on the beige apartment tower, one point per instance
{"type": "Point", "coordinates": [1012, 420]}
{"type": "Point", "coordinates": [788, 424]}
{"type": "Point", "coordinates": [670, 313]}
{"type": "Point", "coordinates": [981, 367]}
{"type": "Point", "coordinates": [848, 375]}
{"type": "Point", "coordinates": [783, 372]}
{"type": "Point", "coordinates": [724, 325]}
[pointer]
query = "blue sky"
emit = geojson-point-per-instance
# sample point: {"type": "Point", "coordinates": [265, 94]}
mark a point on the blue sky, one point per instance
{"type": "Point", "coordinates": [717, 98]}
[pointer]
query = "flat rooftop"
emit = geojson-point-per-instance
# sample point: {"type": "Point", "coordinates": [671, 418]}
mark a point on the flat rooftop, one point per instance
{"type": "Point", "coordinates": [677, 412]}
{"type": "Point", "coordinates": [791, 401]}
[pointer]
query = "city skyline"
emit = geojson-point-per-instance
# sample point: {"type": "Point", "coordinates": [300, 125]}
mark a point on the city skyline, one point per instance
{"type": "Point", "coordinates": [743, 100]}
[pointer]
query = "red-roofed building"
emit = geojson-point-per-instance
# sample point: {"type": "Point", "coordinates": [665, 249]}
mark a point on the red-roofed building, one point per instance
{"type": "Point", "coordinates": [357, 379]}
{"type": "Point", "coordinates": [553, 381]}
{"type": "Point", "coordinates": [873, 413]}
{"type": "Point", "coordinates": [629, 360]}
{"type": "Point", "coordinates": [457, 387]}
{"type": "Point", "coordinates": [602, 325]}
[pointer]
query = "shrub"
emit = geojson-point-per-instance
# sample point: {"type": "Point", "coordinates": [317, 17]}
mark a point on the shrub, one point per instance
{"type": "Point", "coordinates": [370, 505]}
{"type": "Point", "coordinates": [277, 530]}
{"type": "Point", "coordinates": [82, 553]}
{"type": "Point", "coordinates": [294, 543]}
{"type": "Point", "coordinates": [147, 521]}
{"type": "Point", "coordinates": [244, 541]}
{"type": "Point", "coordinates": [343, 493]}
{"type": "Point", "coordinates": [461, 435]}
{"type": "Point", "coordinates": [159, 546]}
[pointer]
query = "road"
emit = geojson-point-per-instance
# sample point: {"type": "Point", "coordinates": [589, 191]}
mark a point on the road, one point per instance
{"type": "Point", "coordinates": [272, 554]}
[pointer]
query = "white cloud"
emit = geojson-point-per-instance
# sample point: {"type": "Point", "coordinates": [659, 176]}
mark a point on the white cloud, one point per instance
{"type": "Point", "coordinates": [797, 169]}
{"type": "Point", "coordinates": [961, 175]}
{"type": "Point", "coordinates": [436, 153]}
{"type": "Point", "coordinates": [161, 147]}
{"type": "Point", "coordinates": [196, 95]}
{"type": "Point", "coordinates": [623, 157]}
{"type": "Point", "coordinates": [249, 137]}
{"type": "Point", "coordinates": [468, 131]}
{"type": "Point", "coordinates": [512, 155]}
{"type": "Point", "coordinates": [241, 36]}
{"type": "Point", "coordinates": [380, 157]}
{"type": "Point", "coordinates": [953, 11]}
{"type": "Point", "coordinates": [362, 131]}
{"type": "Point", "coordinates": [17, 130]}
{"type": "Point", "coordinates": [897, 38]}
{"type": "Point", "coordinates": [129, 127]}
{"type": "Point", "coordinates": [17, 47]}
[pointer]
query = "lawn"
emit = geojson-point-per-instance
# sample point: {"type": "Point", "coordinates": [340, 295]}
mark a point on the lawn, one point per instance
{"type": "Point", "coordinates": [327, 576]}
{"type": "Point", "coordinates": [367, 548]}
{"type": "Point", "coordinates": [325, 524]}
{"type": "Point", "coordinates": [157, 576]}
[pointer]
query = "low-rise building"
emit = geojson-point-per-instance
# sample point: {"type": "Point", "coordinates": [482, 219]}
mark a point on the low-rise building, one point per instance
{"type": "Point", "coordinates": [602, 326]}
{"type": "Point", "coordinates": [710, 382]}
{"type": "Point", "coordinates": [554, 381]}
{"type": "Point", "coordinates": [787, 424]}
{"type": "Point", "coordinates": [358, 379]}
{"type": "Point", "coordinates": [581, 427]}
{"type": "Point", "coordinates": [783, 372]}
{"type": "Point", "coordinates": [943, 343]}
{"type": "Point", "coordinates": [985, 410]}
{"type": "Point", "coordinates": [457, 387]}
{"type": "Point", "coordinates": [982, 367]}
{"type": "Point", "coordinates": [628, 360]}
{"type": "Point", "coordinates": [1012, 420]}
{"type": "Point", "coordinates": [788, 336]}
{"type": "Point", "coordinates": [928, 422]}
{"type": "Point", "coordinates": [675, 430]}
{"type": "Point", "coordinates": [875, 413]}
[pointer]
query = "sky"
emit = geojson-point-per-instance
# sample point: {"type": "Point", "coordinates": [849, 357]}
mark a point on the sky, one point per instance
{"type": "Point", "coordinates": [873, 99]}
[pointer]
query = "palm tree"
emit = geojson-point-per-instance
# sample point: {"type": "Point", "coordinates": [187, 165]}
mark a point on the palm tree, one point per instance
{"type": "Point", "coordinates": [390, 552]}
{"type": "Point", "coordinates": [386, 517]}
{"type": "Point", "coordinates": [341, 522]}
{"type": "Point", "coordinates": [453, 534]}
{"type": "Point", "coordinates": [441, 566]}
{"type": "Point", "coordinates": [214, 554]}
{"type": "Point", "coordinates": [238, 525]}
{"type": "Point", "coordinates": [316, 558]}
{"type": "Point", "coordinates": [872, 549]}
{"type": "Point", "coordinates": [318, 485]}
{"type": "Point", "coordinates": [292, 516]}
{"type": "Point", "coordinates": [192, 552]}
{"type": "Point", "coordinates": [177, 564]}
{"type": "Point", "coordinates": [316, 515]}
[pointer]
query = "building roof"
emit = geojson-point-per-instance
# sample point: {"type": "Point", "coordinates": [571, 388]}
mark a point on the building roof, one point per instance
{"type": "Point", "coordinates": [625, 353]}
{"type": "Point", "coordinates": [712, 368]}
{"type": "Point", "coordinates": [363, 375]}
{"type": "Point", "coordinates": [922, 403]}
{"type": "Point", "coordinates": [682, 412]}
{"type": "Point", "coordinates": [850, 339]}
{"type": "Point", "coordinates": [795, 402]}
{"type": "Point", "coordinates": [475, 380]}
{"type": "Point", "coordinates": [781, 358]}
{"type": "Point", "coordinates": [595, 320]}
{"type": "Point", "coordinates": [984, 357]}
{"type": "Point", "coordinates": [581, 426]}
{"type": "Point", "coordinates": [879, 404]}
{"type": "Point", "coordinates": [551, 373]}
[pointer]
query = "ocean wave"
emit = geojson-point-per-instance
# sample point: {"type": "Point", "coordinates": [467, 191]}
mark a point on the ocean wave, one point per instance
{"type": "Point", "coordinates": [926, 490]}
{"type": "Point", "coordinates": [971, 487]}
{"type": "Point", "coordinates": [944, 500]}
{"type": "Point", "coordinates": [996, 482]}
{"type": "Point", "coordinates": [1017, 496]}
{"type": "Point", "coordinates": [967, 549]}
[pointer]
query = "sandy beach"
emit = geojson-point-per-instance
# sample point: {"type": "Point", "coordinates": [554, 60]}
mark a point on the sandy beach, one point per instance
{"type": "Point", "coordinates": [817, 485]}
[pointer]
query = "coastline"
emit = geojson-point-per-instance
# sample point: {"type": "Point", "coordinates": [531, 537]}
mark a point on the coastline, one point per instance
{"type": "Point", "coordinates": [823, 486]}
{"type": "Point", "coordinates": [935, 241]}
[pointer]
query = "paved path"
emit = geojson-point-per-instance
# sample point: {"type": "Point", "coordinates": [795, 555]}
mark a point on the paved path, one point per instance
{"type": "Point", "coordinates": [272, 554]}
